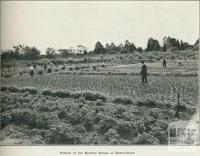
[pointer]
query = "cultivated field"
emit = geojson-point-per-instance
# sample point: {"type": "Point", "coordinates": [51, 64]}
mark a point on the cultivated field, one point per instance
{"type": "Point", "coordinates": [76, 103]}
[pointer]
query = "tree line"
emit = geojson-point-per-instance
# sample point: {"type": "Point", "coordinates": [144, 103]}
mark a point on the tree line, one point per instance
{"type": "Point", "coordinates": [152, 45]}
{"type": "Point", "coordinates": [31, 53]}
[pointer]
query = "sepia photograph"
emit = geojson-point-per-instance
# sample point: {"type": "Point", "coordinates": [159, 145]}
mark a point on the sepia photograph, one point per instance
{"type": "Point", "coordinates": [112, 73]}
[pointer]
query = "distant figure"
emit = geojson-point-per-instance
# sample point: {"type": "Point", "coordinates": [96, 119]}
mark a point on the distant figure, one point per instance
{"type": "Point", "coordinates": [144, 73]}
{"type": "Point", "coordinates": [45, 67]}
{"type": "Point", "coordinates": [164, 63]}
{"type": "Point", "coordinates": [31, 71]}
{"type": "Point", "coordinates": [34, 66]}
{"type": "Point", "coordinates": [179, 64]}
{"type": "Point", "coordinates": [94, 67]}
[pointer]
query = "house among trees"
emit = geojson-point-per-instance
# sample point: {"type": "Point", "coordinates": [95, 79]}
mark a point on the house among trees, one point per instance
{"type": "Point", "coordinates": [174, 43]}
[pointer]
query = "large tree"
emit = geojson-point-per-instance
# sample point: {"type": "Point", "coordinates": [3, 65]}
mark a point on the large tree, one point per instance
{"type": "Point", "coordinates": [50, 52]}
{"type": "Point", "coordinates": [153, 45]}
{"type": "Point", "coordinates": [31, 53]}
{"type": "Point", "coordinates": [129, 47]}
{"type": "Point", "coordinates": [64, 52]}
{"type": "Point", "coordinates": [99, 48]}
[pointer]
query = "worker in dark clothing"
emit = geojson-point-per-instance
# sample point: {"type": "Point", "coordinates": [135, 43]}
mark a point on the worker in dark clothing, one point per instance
{"type": "Point", "coordinates": [31, 71]}
{"type": "Point", "coordinates": [144, 73]}
{"type": "Point", "coordinates": [34, 66]}
{"type": "Point", "coordinates": [45, 67]}
{"type": "Point", "coordinates": [164, 63]}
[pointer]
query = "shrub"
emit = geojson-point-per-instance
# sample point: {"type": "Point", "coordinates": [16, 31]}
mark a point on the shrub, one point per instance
{"type": "Point", "coordinates": [62, 94]}
{"type": "Point", "coordinates": [58, 61]}
{"type": "Point", "coordinates": [140, 57]}
{"type": "Point", "coordinates": [40, 72]}
{"type": "Point", "coordinates": [4, 88]}
{"type": "Point", "coordinates": [106, 124]}
{"type": "Point", "coordinates": [173, 57]}
{"type": "Point", "coordinates": [146, 138]}
{"type": "Point", "coordinates": [119, 112]}
{"type": "Point", "coordinates": [47, 92]}
{"type": "Point", "coordinates": [124, 129]}
{"type": "Point", "coordinates": [38, 139]}
{"type": "Point", "coordinates": [103, 65]}
{"type": "Point", "coordinates": [151, 57]}
{"type": "Point", "coordinates": [99, 109]}
{"type": "Point", "coordinates": [5, 120]}
{"type": "Point", "coordinates": [82, 67]}
{"type": "Point", "coordinates": [148, 103]}
{"type": "Point", "coordinates": [161, 136]}
{"type": "Point", "coordinates": [62, 114]}
{"type": "Point", "coordinates": [80, 129]}
{"type": "Point", "coordinates": [181, 108]}
{"type": "Point", "coordinates": [42, 122]}
{"type": "Point", "coordinates": [123, 51]}
{"type": "Point", "coordinates": [76, 118]}
{"type": "Point", "coordinates": [63, 134]}
{"type": "Point", "coordinates": [163, 124]}
{"type": "Point", "coordinates": [23, 99]}
{"type": "Point", "coordinates": [76, 95]}
{"type": "Point", "coordinates": [13, 89]}
{"type": "Point", "coordinates": [23, 117]}
{"type": "Point", "coordinates": [31, 90]}
{"type": "Point", "coordinates": [123, 100]}
{"type": "Point", "coordinates": [8, 75]}
{"type": "Point", "coordinates": [20, 73]}
{"type": "Point", "coordinates": [93, 96]}
{"type": "Point", "coordinates": [49, 70]}
{"type": "Point", "coordinates": [30, 118]}
{"type": "Point", "coordinates": [77, 68]}
{"type": "Point", "coordinates": [44, 108]}
{"type": "Point", "coordinates": [111, 135]}
{"type": "Point", "coordinates": [88, 124]}
{"type": "Point", "coordinates": [82, 100]}
{"type": "Point", "coordinates": [99, 102]}
{"type": "Point", "coordinates": [71, 68]}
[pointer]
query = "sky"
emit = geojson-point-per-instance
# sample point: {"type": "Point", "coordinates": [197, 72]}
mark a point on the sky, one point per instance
{"type": "Point", "coordinates": [63, 24]}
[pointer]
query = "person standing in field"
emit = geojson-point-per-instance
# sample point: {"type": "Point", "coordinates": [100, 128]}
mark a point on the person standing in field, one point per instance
{"type": "Point", "coordinates": [164, 63]}
{"type": "Point", "coordinates": [144, 72]}
{"type": "Point", "coordinates": [31, 71]}
{"type": "Point", "coordinates": [45, 67]}
{"type": "Point", "coordinates": [34, 66]}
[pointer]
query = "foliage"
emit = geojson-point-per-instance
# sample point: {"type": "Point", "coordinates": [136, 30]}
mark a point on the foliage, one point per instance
{"type": "Point", "coordinates": [139, 49]}
{"type": "Point", "coordinates": [123, 100]}
{"type": "Point", "coordinates": [106, 124]}
{"type": "Point", "coordinates": [62, 134]}
{"type": "Point", "coordinates": [124, 128]}
{"type": "Point", "coordinates": [99, 48]}
{"type": "Point", "coordinates": [169, 42]}
{"type": "Point", "coordinates": [129, 47]}
{"type": "Point", "coordinates": [40, 72]}
{"type": "Point", "coordinates": [153, 45]}
{"type": "Point", "coordinates": [93, 96]}
{"type": "Point", "coordinates": [50, 52]}
{"type": "Point", "coordinates": [49, 70]}
{"type": "Point", "coordinates": [21, 52]}
{"type": "Point", "coordinates": [45, 117]}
